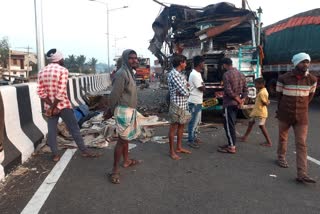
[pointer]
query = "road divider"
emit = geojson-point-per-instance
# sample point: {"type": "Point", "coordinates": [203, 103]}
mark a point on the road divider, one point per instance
{"type": "Point", "coordinates": [22, 126]}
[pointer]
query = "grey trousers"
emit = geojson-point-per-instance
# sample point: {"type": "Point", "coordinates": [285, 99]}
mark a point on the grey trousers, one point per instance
{"type": "Point", "coordinates": [73, 127]}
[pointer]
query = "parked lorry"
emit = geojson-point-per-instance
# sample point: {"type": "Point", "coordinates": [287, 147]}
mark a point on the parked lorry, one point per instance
{"type": "Point", "coordinates": [215, 31]}
{"type": "Point", "coordinates": [283, 39]}
{"type": "Point", "coordinates": [143, 72]}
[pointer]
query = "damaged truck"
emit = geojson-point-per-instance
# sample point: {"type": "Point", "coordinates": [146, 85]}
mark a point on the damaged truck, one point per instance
{"type": "Point", "coordinates": [215, 31]}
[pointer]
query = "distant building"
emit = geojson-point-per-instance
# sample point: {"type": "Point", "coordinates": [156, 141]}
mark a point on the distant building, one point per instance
{"type": "Point", "coordinates": [19, 65]}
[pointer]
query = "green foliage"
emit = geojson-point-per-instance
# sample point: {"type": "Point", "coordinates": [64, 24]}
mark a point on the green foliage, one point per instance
{"type": "Point", "coordinates": [78, 64]}
{"type": "Point", "coordinates": [92, 65]}
{"type": "Point", "coordinates": [4, 52]}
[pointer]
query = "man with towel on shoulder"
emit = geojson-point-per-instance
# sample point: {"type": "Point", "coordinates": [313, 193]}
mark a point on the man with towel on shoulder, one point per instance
{"type": "Point", "coordinates": [123, 102]}
{"type": "Point", "coordinates": [295, 91]}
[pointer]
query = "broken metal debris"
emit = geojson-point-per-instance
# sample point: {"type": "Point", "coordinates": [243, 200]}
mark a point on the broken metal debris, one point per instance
{"type": "Point", "coordinates": [100, 133]}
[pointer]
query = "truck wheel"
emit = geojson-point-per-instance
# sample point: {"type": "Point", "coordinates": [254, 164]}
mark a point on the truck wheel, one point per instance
{"type": "Point", "coordinates": [271, 87]}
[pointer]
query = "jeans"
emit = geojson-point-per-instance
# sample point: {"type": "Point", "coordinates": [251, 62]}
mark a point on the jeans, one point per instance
{"type": "Point", "coordinates": [73, 127]}
{"type": "Point", "coordinates": [195, 110]}
{"type": "Point", "coordinates": [230, 117]}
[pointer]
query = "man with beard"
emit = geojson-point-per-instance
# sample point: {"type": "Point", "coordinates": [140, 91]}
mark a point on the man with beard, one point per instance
{"type": "Point", "coordinates": [123, 102]}
{"type": "Point", "coordinates": [295, 90]}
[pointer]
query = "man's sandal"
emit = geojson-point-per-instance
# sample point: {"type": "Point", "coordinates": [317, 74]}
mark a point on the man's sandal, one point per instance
{"type": "Point", "coordinates": [306, 179]}
{"type": "Point", "coordinates": [133, 162]}
{"type": "Point", "coordinates": [226, 150]}
{"type": "Point", "coordinates": [283, 163]}
{"type": "Point", "coordinates": [114, 177]}
{"type": "Point", "coordinates": [90, 155]}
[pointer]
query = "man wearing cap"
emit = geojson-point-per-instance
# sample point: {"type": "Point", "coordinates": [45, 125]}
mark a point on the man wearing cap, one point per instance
{"type": "Point", "coordinates": [235, 91]}
{"type": "Point", "coordinates": [295, 90]}
{"type": "Point", "coordinates": [52, 89]}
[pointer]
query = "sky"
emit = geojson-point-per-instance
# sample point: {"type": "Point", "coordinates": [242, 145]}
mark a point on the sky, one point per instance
{"type": "Point", "coordinates": [79, 27]}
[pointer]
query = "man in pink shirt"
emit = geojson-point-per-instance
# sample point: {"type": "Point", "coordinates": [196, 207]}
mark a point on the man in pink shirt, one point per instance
{"type": "Point", "coordinates": [52, 89]}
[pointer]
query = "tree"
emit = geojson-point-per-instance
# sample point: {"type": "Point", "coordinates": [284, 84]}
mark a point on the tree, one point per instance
{"type": "Point", "coordinates": [4, 52]}
{"type": "Point", "coordinates": [70, 63]}
{"type": "Point", "coordinates": [80, 62]}
{"type": "Point", "coordinates": [92, 64]}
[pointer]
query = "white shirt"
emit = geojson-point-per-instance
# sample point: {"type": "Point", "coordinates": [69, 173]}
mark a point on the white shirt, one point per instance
{"type": "Point", "coordinates": [195, 81]}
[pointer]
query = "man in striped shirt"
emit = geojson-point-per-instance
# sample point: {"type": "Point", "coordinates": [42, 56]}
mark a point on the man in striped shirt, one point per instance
{"type": "Point", "coordinates": [295, 90]}
{"type": "Point", "coordinates": [52, 89]}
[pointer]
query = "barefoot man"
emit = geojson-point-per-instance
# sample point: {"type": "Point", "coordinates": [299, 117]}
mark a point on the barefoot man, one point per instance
{"type": "Point", "coordinates": [179, 93]}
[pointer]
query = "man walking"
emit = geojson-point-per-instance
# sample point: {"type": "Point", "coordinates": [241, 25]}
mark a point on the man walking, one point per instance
{"type": "Point", "coordinates": [52, 89]}
{"type": "Point", "coordinates": [195, 100]}
{"type": "Point", "coordinates": [295, 90]}
{"type": "Point", "coordinates": [123, 102]}
{"type": "Point", "coordinates": [235, 91]}
{"type": "Point", "coordinates": [178, 109]}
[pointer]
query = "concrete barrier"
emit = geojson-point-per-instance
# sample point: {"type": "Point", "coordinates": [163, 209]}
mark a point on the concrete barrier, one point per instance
{"type": "Point", "coordinates": [22, 126]}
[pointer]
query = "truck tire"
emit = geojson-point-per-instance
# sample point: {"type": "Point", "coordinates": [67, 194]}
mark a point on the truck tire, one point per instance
{"type": "Point", "coordinates": [271, 87]}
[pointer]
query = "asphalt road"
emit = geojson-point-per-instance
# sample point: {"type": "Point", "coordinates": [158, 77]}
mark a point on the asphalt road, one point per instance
{"type": "Point", "coordinates": [203, 182]}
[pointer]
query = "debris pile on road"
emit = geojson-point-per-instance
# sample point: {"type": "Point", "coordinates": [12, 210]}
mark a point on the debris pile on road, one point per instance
{"type": "Point", "coordinates": [99, 133]}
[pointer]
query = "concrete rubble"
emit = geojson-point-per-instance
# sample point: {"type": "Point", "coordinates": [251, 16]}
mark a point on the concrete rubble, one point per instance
{"type": "Point", "coordinates": [99, 134]}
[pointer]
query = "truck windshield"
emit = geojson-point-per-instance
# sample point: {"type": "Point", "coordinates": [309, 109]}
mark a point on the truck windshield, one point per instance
{"type": "Point", "coordinates": [144, 62]}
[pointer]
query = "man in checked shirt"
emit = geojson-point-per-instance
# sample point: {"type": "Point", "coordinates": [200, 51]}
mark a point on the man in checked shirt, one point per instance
{"type": "Point", "coordinates": [52, 89]}
{"type": "Point", "coordinates": [179, 93]}
{"type": "Point", "coordinates": [235, 91]}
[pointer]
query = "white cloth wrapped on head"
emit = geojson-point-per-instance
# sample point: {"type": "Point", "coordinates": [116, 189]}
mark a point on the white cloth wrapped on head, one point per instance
{"type": "Point", "coordinates": [55, 57]}
{"type": "Point", "coordinates": [296, 59]}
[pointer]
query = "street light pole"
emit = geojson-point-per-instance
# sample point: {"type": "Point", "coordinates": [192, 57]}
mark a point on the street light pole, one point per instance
{"type": "Point", "coordinates": [108, 34]}
{"type": "Point", "coordinates": [108, 37]}
{"type": "Point", "coordinates": [39, 34]}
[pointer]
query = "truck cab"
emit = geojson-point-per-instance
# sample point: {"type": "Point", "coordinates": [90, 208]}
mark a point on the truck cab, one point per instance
{"type": "Point", "coordinates": [143, 71]}
{"type": "Point", "coordinates": [214, 32]}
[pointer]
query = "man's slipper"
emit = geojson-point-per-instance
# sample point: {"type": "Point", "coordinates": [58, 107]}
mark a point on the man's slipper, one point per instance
{"type": "Point", "coordinates": [226, 150]}
{"type": "Point", "coordinates": [114, 177]}
{"type": "Point", "coordinates": [306, 179]}
{"type": "Point", "coordinates": [266, 144]}
{"type": "Point", "coordinates": [90, 155]}
{"type": "Point", "coordinates": [283, 163]}
{"type": "Point", "coordinates": [132, 162]}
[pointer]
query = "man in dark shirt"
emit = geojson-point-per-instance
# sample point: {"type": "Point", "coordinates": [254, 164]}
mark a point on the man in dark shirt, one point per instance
{"type": "Point", "coordinates": [295, 90]}
{"type": "Point", "coordinates": [235, 91]}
